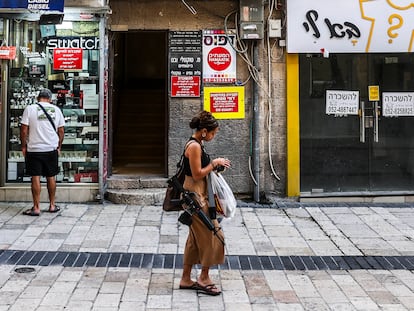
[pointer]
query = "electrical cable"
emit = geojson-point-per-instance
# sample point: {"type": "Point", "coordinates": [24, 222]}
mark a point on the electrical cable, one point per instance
{"type": "Point", "coordinates": [189, 7]}
{"type": "Point", "coordinates": [242, 49]}
{"type": "Point", "coordinates": [269, 99]}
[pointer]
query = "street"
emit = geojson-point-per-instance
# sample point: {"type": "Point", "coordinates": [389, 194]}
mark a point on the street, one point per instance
{"type": "Point", "coordinates": [286, 257]}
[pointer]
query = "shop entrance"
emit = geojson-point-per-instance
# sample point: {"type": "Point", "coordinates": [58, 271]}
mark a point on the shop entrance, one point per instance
{"type": "Point", "coordinates": [139, 103]}
{"type": "Point", "coordinates": [364, 148]}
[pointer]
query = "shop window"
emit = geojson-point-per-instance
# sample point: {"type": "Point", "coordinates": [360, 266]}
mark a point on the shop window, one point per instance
{"type": "Point", "coordinates": [65, 59]}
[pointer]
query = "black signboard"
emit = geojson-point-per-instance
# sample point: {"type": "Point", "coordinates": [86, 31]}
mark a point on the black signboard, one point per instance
{"type": "Point", "coordinates": [185, 41]}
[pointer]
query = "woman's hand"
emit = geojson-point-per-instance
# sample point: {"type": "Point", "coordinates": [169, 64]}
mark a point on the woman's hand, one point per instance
{"type": "Point", "coordinates": [221, 162]}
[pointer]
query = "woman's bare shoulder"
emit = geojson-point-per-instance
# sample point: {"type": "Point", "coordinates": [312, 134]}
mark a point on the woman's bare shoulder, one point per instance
{"type": "Point", "coordinates": [193, 147]}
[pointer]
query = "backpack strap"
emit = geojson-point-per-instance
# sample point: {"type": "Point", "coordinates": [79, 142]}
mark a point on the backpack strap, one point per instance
{"type": "Point", "coordinates": [180, 163]}
{"type": "Point", "coordinates": [47, 116]}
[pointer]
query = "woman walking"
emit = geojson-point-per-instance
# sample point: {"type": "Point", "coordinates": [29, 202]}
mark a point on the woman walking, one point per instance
{"type": "Point", "coordinates": [203, 246]}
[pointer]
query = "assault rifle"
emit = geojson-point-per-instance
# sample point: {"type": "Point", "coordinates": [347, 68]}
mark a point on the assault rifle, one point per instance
{"type": "Point", "coordinates": [191, 207]}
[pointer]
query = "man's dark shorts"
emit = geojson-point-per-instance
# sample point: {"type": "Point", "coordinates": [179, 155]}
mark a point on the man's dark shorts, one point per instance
{"type": "Point", "coordinates": [42, 163]}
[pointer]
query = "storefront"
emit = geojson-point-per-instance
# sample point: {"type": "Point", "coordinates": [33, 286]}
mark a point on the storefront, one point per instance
{"type": "Point", "coordinates": [61, 47]}
{"type": "Point", "coordinates": [350, 98]}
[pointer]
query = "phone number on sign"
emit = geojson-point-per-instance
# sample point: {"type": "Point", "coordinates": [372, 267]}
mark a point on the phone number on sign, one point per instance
{"type": "Point", "coordinates": [341, 110]}
{"type": "Point", "coordinates": [398, 111]}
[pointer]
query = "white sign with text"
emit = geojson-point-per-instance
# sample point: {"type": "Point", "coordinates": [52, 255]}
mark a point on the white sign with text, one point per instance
{"type": "Point", "coordinates": [342, 102]}
{"type": "Point", "coordinates": [398, 104]}
{"type": "Point", "coordinates": [347, 26]}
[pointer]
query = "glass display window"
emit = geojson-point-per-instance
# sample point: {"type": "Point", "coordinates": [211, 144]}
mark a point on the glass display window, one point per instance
{"type": "Point", "coordinates": [65, 59]}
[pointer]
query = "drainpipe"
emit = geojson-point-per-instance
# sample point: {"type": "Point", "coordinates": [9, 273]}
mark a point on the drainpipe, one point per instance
{"type": "Point", "coordinates": [256, 123]}
{"type": "Point", "coordinates": [3, 104]}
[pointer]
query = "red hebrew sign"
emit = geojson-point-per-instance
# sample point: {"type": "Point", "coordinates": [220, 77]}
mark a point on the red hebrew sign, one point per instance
{"type": "Point", "coordinates": [185, 86]}
{"type": "Point", "coordinates": [224, 102]}
{"type": "Point", "coordinates": [67, 59]}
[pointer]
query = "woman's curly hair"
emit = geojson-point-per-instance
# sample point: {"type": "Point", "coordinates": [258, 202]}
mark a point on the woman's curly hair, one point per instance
{"type": "Point", "coordinates": [204, 120]}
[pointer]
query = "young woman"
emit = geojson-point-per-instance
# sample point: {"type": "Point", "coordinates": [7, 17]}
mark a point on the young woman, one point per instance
{"type": "Point", "coordinates": [203, 246]}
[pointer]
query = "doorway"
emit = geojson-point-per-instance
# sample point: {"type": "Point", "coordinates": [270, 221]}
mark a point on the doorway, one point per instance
{"type": "Point", "coordinates": [139, 103]}
{"type": "Point", "coordinates": [369, 149]}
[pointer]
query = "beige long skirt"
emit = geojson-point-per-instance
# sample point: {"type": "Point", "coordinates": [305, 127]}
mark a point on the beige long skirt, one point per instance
{"type": "Point", "coordinates": [202, 246]}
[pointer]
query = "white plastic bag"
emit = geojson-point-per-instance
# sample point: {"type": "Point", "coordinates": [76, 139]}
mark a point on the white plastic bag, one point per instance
{"type": "Point", "coordinates": [223, 196]}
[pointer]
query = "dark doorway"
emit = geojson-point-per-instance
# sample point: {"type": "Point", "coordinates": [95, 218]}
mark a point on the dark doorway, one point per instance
{"type": "Point", "coordinates": [139, 103]}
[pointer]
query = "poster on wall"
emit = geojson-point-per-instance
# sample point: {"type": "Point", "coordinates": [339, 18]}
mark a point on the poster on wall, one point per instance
{"type": "Point", "coordinates": [183, 86]}
{"type": "Point", "coordinates": [67, 59]}
{"type": "Point", "coordinates": [33, 5]}
{"type": "Point", "coordinates": [185, 63]}
{"type": "Point", "coordinates": [342, 102]}
{"type": "Point", "coordinates": [219, 57]}
{"type": "Point", "coordinates": [349, 26]}
{"type": "Point", "coordinates": [398, 104]}
{"type": "Point", "coordinates": [225, 102]}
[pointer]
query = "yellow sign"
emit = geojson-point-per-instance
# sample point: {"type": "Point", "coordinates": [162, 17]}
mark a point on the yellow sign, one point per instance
{"type": "Point", "coordinates": [373, 91]}
{"type": "Point", "coordinates": [225, 102]}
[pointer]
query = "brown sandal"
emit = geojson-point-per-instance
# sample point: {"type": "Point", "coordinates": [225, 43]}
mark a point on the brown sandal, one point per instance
{"type": "Point", "coordinates": [210, 289]}
{"type": "Point", "coordinates": [194, 286]}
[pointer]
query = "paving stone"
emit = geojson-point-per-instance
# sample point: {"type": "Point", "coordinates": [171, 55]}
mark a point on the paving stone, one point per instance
{"type": "Point", "coordinates": [131, 306]}
{"type": "Point", "coordinates": [55, 299]}
{"type": "Point", "coordinates": [330, 292]}
{"type": "Point", "coordinates": [285, 296]}
{"type": "Point", "coordinates": [25, 304]}
{"type": "Point", "coordinates": [364, 303]}
{"type": "Point", "coordinates": [107, 300]}
{"type": "Point", "coordinates": [158, 302]}
{"type": "Point", "coordinates": [111, 288]}
{"type": "Point", "coordinates": [290, 307]}
{"type": "Point", "coordinates": [79, 305]}
{"type": "Point", "coordinates": [84, 294]}
{"type": "Point", "coordinates": [314, 304]}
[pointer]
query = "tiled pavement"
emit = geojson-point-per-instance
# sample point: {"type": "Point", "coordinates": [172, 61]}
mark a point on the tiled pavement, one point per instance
{"type": "Point", "coordinates": [291, 256]}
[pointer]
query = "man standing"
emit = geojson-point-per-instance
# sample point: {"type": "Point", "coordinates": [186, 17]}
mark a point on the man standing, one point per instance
{"type": "Point", "coordinates": [41, 134]}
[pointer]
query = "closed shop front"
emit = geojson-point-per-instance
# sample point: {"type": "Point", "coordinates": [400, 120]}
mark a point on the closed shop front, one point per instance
{"type": "Point", "coordinates": [354, 96]}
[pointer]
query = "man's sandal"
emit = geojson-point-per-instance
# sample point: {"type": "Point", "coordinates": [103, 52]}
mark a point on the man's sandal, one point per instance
{"type": "Point", "coordinates": [31, 212]}
{"type": "Point", "coordinates": [55, 210]}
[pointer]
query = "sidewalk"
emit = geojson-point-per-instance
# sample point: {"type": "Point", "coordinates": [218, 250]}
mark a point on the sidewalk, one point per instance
{"type": "Point", "coordinates": [122, 257]}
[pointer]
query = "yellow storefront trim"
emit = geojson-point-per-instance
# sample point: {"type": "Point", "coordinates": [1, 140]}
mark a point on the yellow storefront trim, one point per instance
{"type": "Point", "coordinates": [293, 134]}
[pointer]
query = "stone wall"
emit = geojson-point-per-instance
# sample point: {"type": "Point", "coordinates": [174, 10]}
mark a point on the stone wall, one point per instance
{"type": "Point", "coordinates": [234, 138]}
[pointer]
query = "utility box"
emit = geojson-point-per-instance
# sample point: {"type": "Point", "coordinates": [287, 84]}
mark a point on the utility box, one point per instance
{"type": "Point", "coordinates": [275, 28]}
{"type": "Point", "coordinates": [251, 19]}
